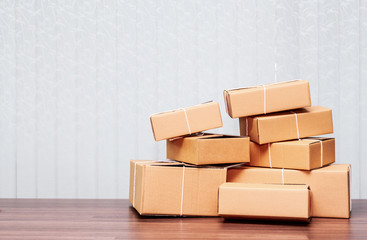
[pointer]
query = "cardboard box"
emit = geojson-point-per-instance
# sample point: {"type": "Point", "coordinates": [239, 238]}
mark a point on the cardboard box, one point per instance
{"type": "Point", "coordinates": [330, 185]}
{"type": "Point", "coordinates": [209, 149]}
{"type": "Point", "coordinates": [265, 201]}
{"type": "Point", "coordinates": [268, 98]}
{"type": "Point", "coordinates": [186, 121]}
{"type": "Point", "coordinates": [282, 126]}
{"type": "Point", "coordinates": [304, 154]}
{"type": "Point", "coordinates": [172, 188]}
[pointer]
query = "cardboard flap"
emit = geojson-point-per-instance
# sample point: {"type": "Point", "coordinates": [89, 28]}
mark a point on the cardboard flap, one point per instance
{"type": "Point", "coordinates": [172, 163]}
{"type": "Point", "coordinates": [317, 139]}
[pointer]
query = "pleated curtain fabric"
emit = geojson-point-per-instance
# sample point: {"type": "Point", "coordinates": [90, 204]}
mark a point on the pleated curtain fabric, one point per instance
{"type": "Point", "coordinates": [79, 79]}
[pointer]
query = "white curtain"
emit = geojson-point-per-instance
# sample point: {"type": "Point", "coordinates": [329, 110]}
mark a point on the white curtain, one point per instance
{"type": "Point", "coordinates": [79, 79]}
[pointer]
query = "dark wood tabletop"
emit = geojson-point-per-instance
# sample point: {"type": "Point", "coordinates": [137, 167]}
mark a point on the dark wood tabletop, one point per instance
{"type": "Point", "coordinates": [116, 219]}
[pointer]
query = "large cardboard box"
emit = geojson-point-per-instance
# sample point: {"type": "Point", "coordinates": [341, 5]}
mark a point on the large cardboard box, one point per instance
{"type": "Point", "coordinates": [304, 154]}
{"type": "Point", "coordinates": [282, 126]}
{"type": "Point", "coordinates": [186, 121]}
{"type": "Point", "coordinates": [172, 188]}
{"type": "Point", "coordinates": [209, 149]}
{"type": "Point", "coordinates": [268, 98]}
{"type": "Point", "coordinates": [265, 201]}
{"type": "Point", "coordinates": [330, 185]}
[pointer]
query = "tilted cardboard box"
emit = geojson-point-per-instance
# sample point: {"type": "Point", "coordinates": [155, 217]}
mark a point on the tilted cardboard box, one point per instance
{"type": "Point", "coordinates": [186, 121]}
{"type": "Point", "coordinates": [268, 98]}
{"type": "Point", "coordinates": [209, 149]}
{"type": "Point", "coordinates": [282, 126]}
{"type": "Point", "coordinates": [265, 201]}
{"type": "Point", "coordinates": [172, 188]}
{"type": "Point", "coordinates": [330, 185]}
{"type": "Point", "coordinates": [304, 154]}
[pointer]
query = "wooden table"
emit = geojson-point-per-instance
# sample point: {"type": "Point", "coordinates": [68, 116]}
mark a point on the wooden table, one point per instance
{"type": "Point", "coordinates": [116, 219]}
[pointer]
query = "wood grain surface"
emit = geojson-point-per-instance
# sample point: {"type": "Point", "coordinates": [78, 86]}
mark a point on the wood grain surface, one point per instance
{"type": "Point", "coordinates": [116, 219]}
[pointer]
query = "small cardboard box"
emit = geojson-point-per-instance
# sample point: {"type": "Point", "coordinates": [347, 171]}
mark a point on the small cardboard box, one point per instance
{"type": "Point", "coordinates": [172, 188]}
{"type": "Point", "coordinates": [265, 201]}
{"type": "Point", "coordinates": [209, 149]}
{"type": "Point", "coordinates": [268, 98]}
{"type": "Point", "coordinates": [186, 121]}
{"type": "Point", "coordinates": [330, 185]}
{"type": "Point", "coordinates": [282, 126]}
{"type": "Point", "coordinates": [303, 154]}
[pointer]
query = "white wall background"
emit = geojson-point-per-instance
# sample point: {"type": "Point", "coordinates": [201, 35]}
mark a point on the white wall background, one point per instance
{"type": "Point", "coordinates": [79, 79]}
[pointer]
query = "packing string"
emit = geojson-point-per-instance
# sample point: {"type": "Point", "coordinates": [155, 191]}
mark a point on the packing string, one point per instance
{"type": "Point", "coordinates": [269, 156]}
{"type": "Point", "coordinates": [295, 114]}
{"type": "Point", "coordinates": [321, 153]}
{"type": "Point", "coordinates": [234, 165]}
{"type": "Point", "coordinates": [187, 120]}
{"type": "Point", "coordinates": [182, 190]}
{"type": "Point", "coordinates": [283, 176]}
{"type": "Point", "coordinates": [264, 98]}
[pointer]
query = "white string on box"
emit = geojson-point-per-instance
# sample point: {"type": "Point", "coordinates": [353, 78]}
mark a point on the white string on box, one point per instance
{"type": "Point", "coordinates": [187, 120]}
{"type": "Point", "coordinates": [283, 176]}
{"type": "Point", "coordinates": [182, 189]}
{"type": "Point", "coordinates": [321, 153]}
{"type": "Point", "coordinates": [264, 98]}
{"type": "Point", "coordinates": [269, 156]}
{"type": "Point", "coordinates": [295, 114]}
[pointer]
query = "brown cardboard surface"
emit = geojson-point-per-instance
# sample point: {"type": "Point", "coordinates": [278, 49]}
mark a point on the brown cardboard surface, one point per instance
{"type": "Point", "coordinates": [182, 122]}
{"type": "Point", "coordinates": [282, 126]}
{"type": "Point", "coordinates": [304, 154]}
{"type": "Point", "coordinates": [158, 188]}
{"type": "Point", "coordinates": [330, 185]}
{"type": "Point", "coordinates": [209, 149]}
{"type": "Point", "coordinates": [283, 96]}
{"type": "Point", "coordinates": [267, 201]}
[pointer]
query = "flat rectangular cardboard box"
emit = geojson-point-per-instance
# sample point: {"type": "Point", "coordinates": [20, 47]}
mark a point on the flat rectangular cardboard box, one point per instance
{"type": "Point", "coordinates": [282, 126]}
{"type": "Point", "coordinates": [303, 154]}
{"type": "Point", "coordinates": [209, 149]}
{"type": "Point", "coordinates": [268, 98]}
{"type": "Point", "coordinates": [186, 121]}
{"type": "Point", "coordinates": [172, 188]}
{"type": "Point", "coordinates": [265, 201]}
{"type": "Point", "coordinates": [330, 185]}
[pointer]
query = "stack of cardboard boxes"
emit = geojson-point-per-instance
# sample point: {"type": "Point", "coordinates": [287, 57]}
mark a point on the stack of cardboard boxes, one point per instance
{"type": "Point", "coordinates": [282, 173]}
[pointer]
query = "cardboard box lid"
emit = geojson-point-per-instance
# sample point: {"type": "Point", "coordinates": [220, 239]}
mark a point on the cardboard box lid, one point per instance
{"type": "Point", "coordinates": [267, 98]}
{"type": "Point", "coordinates": [270, 201]}
{"type": "Point", "coordinates": [185, 121]}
